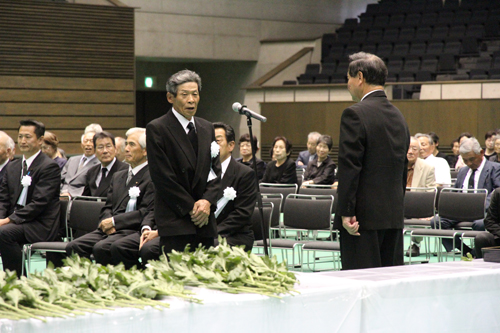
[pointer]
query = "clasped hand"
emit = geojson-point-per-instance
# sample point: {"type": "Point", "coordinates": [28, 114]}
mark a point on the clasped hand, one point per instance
{"type": "Point", "coordinates": [200, 213]}
{"type": "Point", "coordinates": [106, 226]}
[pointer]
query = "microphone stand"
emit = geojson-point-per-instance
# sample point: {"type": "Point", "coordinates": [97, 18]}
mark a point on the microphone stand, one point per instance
{"type": "Point", "coordinates": [259, 197]}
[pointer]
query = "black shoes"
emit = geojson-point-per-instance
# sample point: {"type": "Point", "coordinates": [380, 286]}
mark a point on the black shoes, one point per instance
{"type": "Point", "coordinates": [414, 249]}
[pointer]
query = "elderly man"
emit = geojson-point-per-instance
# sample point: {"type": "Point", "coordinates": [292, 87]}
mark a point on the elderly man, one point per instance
{"type": "Point", "coordinates": [7, 148]}
{"type": "Point", "coordinates": [129, 201]}
{"type": "Point", "coordinates": [98, 178]}
{"type": "Point", "coordinates": [29, 197]}
{"type": "Point", "coordinates": [185, 168]}
{"type": "Point", "coordinates": [120, 148]}
{"type": "Point", "coordinates": [479, 173]}
{"type": "Point", "coordinates": [441, 166]}
{"type": "Point", "coordinates": [74, 172]}
{"type": "Point", "coordinates": [310, 154]}
{"type": "Point", "coordinates": [420, 174]}
{"type": "Point", "coordinates": [373, 143]}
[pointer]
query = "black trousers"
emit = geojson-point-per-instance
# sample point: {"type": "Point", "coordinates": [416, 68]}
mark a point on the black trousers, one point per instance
{"type": "Point", "coordinates": [373, 248]}
{"type": "Point", "coordinates": [179, 242]}
{"type": "Point", "coordinates": [126, 250]}
{"type": "Point", "coordinates": [12, 239]}
{"type": "Point", "coordinates": [484, 240]}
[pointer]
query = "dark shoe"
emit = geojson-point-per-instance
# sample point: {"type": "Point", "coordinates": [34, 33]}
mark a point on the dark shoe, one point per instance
{"type": "Point", "coordinates": [414, 249]}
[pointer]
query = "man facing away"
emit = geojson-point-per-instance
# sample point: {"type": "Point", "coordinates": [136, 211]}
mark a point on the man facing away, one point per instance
{"type": "Point", "coordinates": [373, 143]}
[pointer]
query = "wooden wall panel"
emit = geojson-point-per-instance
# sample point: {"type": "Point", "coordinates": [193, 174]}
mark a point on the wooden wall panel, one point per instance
{"type": "Point", "coordinates": [67, 65]}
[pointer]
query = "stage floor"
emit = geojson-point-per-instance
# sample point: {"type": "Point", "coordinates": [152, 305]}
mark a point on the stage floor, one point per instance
{"type": "Point", "coordinates": [441, 297]}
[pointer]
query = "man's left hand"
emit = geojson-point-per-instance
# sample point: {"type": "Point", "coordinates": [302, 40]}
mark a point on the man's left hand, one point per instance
{"type": "Point", "coordinates": [4, 221]}
{"type": "Point", "coordinates": [351, 225]}
{"type": "Point", "coordinates": [106, 224]}
{"type": "Point", "coordinates": [200, 213]}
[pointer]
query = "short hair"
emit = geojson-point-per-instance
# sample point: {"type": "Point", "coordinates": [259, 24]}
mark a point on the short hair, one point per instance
{"type": "Point", "coordinates": [453, 143]}
{"type": "Point", "coordinates": [470, 144]}
{"type": "Point", "coordinates": [227, 129]}
{"type": "Point", "coordinates": [142, 137]}
{"type": "Point", "coordinates": [327, 140]}
{"type": "Point", "coordinates": [9, 142]}
{"type": "Point", "coordinates": [39, 126]}
{"type": "Point", "coordinates": [467, 134]}
{"type": "Point", "coordinates": [314, 136]}
{"type": "Point", "coordinates": [246, 138]}
{"type": "Point", "coordinates": [496, 137]}
{"type": "Point", "coordinates": [50, 139]}
{"type": "Point", "coordinates": [180, 78]}
{"type": "Point", "coordinates": [434, 137]}
{"type": "Point", "coordinates": [120, 143]}
{"type": "Point", "coordinates": [96, 128]}
{"type": "Point", "coordinates": [422, 135]}
{"type": "Point", "coordinates": [288, 144]}
{"type": "Point", "coordinates": [412, 138]}
{"type": "Point", "coordinates": [103, 135]}
{"type": "Point", "coordinates": [373, 68]}
{"type": "Point", "coordinates": [489, 134]}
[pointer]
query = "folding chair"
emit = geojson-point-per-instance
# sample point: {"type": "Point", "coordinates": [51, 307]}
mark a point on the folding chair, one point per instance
{"type": "Point", "coordinates": [267, 209]}
{"type": "Point", "coordinates": [284, 189]}
{"type": "Point", "coordinates": [83, 218]}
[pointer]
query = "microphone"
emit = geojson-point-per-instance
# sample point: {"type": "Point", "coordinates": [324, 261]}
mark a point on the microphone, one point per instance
{"type": "Point", "coordinates": [242, 109]}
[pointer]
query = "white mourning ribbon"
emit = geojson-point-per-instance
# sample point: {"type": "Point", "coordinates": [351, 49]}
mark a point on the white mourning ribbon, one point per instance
{"type": "Point", "coordinates": [26, 182]}
{"type": "Point", "coordinates": [133, 193]}
{"type": "Point", "coordinates": [229, 195]}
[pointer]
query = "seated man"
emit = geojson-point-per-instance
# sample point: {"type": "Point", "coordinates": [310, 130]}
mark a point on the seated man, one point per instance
{"type": "Point", "coordinates": [492, 224]}
{"type": "Point", "coordinates": [76, 168]}
{"type": "Point", "coordinates": [29, 197]}
{"type": "Point", "coordinates": [98, 178]}
{"type": "Point", "coordinates": [441, 166]}
{"type": "Point", "coordinates": [308, 155]}
{"type": "Point", "coordinates": [7, 148]}
{"type": "Point", "coordinates": [478, 173]}
{"type": "Point", "coordinates": [129, 200]}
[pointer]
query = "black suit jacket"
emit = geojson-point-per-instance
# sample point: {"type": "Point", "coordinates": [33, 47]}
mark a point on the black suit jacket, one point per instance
{"type": "Point", "coordinates": [492, 219]}
{"type": "Point", "coordinates": [180, 175]}
{"type": "Point", "coordinates": [2, 172]}
{"type": "Point", "coordinates": [118, 198]}
{"type": "Point", "coordinates": [324, 174]}
{"type": "Point", "coordinates": [284, 174]}
{"type": "Point", "coordinates": [233, 221]}
{"type": "Point", "coordinates": [374, 140]}
{"type": "Point", "coordinates": [489, 178]}
{"type": "Point", "coordinates": [91, 188]}
{"type": "Point", "coordinates": [40, 216]}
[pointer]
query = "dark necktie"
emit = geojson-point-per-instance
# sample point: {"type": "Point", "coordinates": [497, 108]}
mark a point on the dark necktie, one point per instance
{"type": "Point", "coordinates": [103, 175]}
{"type": "Point", "coordinates": [25, 168]}
{"type": "Point", "coordinates": [130, 175]}
{"type": "Point", "coordinates": [193, 137]}
{"type": "Point", "coordinates": [471, 179]}
{"type": "Point", "coordinates": [82, 162]}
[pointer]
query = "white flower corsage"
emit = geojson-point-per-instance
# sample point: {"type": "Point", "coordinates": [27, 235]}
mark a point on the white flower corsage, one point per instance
{"type": "Point", "coordinates": [214, 149]}
{"type": "Point", "coordinates": [229, 194]}
{"type": "Point", "coordinates": [26, 182]}
{"type": "Point", "coordinates": [133, 193]}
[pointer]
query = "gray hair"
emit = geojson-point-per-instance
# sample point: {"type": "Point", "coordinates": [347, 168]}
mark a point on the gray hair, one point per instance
{"type": "Point", "coordinates": [495, 138]}
{"type": "Point", "coordinates": [373, 68]}
{"type": "Point", "coordinates": [423, 135]}
{"type": "Point", "coordinates": [413, 138]}
{"type": "Point", "coordinates": [469, 145]}
{"type": "Point", "coordinates": [180, 78]}
{"type": "Point", "coordinates": [142, 137]}
{"type": "Point", "coordinates": [96, 128]}
{"type": "Point", "coordinates": [314, 136]}
{"type": "Point", "coordinates": [9, 142]}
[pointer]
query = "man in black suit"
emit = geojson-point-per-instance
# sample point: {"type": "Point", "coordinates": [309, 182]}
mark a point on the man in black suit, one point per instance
{"type": "Point", "coordinates": [99, 177]}
{"type": "Point", "coordinates": [7, 147]}
{"type": "Point", "coordinates": [374, 139]}
{"type": "Point", "coordinates": [492, 224]}
{"type": "Point", "coordinates": [29, 197]}
{"type": "Point", "coordinates": [185, 168]}
{"type": "Point", "coordinates": [308, 155]}
{"type": "Point", "coordinates": [129, 201]}
{"type": "Point", "coordinates": [237, 193]}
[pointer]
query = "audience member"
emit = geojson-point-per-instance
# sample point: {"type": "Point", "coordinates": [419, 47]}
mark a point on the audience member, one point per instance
{"type": "Point", "coordinates": [7, 147]}
{"type": "Point", "coordinates": [453, 158]}
{"type": "Point", "coordinates": [479, 173]}
{"type": "Point", "coordinates": [130, 199]}
{"type": "Point", "coordinates": [98, 178]}
{"type": "Point", "coordinates": [94, 128]}
{"type": "Point", "coordinates": [74, 172]}
{"type": "Point", "coordinates": [441, 167]}
{"type": "Point", "coordinates": [489, 143]}
{"type": "Point", "coordinates": [120, 148]}
{"type": "Point", "coordinates": [435, 139]}
{"type": "Point", "coordinates": [281, 170]}
{"type": "Point", "coordinates": [460, 163]}
{"type": "Point", "coordinates": [29, 197]}
{"type": "Point", "coordinates": [185, 168]}
{"type": "Point", "coordinates": [492, 225]}
{"type": "Point", "coordinates": [49, 148]}
{"type": "Point", "coordinates": [308, 155]}
{"type": "Point", "coordinates": [246, 154]}
{"type": "Point", "coordinates": [321, 170]}
{"type": "Point", "coordinates": [496, 147]}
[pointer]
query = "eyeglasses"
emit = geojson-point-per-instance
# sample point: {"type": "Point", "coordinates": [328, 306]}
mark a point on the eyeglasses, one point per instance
{"type": "Point", "coordinates": [108, 147]}
{"type": "Point", "coordinates": [245, 145]}
{"type": "Point", "coordinates": [414, 148]}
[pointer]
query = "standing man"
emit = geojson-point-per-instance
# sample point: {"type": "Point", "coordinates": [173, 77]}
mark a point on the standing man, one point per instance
{"type": "Point", "coordinates": [373, 143]}
{"type": "Point", "coordinates": [308, 155]}
{"type": "Point", "coordinates": [185, 168]}
{"type": "Point", "coordinates": [29, 197]}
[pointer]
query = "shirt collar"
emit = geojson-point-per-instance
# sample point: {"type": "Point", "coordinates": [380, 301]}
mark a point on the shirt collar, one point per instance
{"type": "Point", "coordinates": [137, 168]}
{"type": "Point", "coordinates": [370, 93]}
{"type": "Point", "coordinates": [31, 159]}
{"type": "Point", "coordinates": [224, 165]}
{"type": "Point", "coordinates": [110, 165]}
{"type": "Point", "coordinates": [480, 169]}
{"type": "Point", "coordinates": [88, 158]}
{"type": "Point", "coordinates": [184, 122]}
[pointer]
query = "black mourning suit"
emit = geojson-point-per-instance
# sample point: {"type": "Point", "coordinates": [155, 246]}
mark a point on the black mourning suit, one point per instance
{"type": "Point", "coordinates": [126, 223]}
{"type": "Point", "coordinates": [38, 220]}
{"type": "Point", "coordinates": [91, 189]}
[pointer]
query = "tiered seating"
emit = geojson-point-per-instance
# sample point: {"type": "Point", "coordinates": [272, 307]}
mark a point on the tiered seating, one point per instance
{"type": "Point", "coordinates": [414, 36]}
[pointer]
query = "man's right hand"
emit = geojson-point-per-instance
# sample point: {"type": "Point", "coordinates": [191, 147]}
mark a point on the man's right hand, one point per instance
{"type": "Point", "coordinates": [351, 225]}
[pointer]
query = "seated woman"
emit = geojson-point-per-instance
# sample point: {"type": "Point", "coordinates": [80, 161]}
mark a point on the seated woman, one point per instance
{"type": "Point", "coordinates": [49, 148]}
{"type": "Point", "coordinates": [246, 154]}
{"type": "Point", "coordinates": [321, 170]}
{"type": "Point", "coordinates": [496, 143]}
{"type": "Point", "coordinates": [282, 169]}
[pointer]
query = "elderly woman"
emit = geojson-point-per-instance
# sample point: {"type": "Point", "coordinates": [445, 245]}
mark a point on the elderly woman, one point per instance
{"type": "Point", "coordinates": [49, 148]}
{"type": "Point", "coordinates": [321, 170]}
{"type": "Point", "coordinates": [282, 169]}
{"type": "Point", "coordinates": [246, 154]}
{"type": "Point", "coordinates": [496, 146]}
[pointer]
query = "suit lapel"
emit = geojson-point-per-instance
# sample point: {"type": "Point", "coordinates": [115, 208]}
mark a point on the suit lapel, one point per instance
{"type": "Point", "coordinates": [228, 178]}
{"type": "Point", "coordinates": [483, 175]}
{"type": "Point", "coordinates": [104, 183]}
{"type": "Point", "coordinates": [82, 169]}
{"type": "Point", "coordinates": [180, 136]}
{"type": "Point", "coordinates": [135, 181]}
{"type": "Point", "coordinates": [17, 174]}
{"type": "Point", "coordinates": [417, 173]}
{"type": "Point", "coordinates": [204, 143]}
